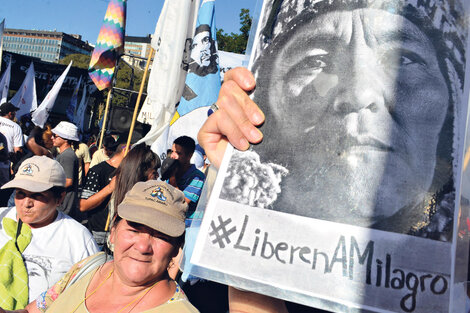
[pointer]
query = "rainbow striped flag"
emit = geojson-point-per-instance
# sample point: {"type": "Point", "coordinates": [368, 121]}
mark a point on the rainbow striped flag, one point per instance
{"type": "Point", "coordinates": [110, 44]}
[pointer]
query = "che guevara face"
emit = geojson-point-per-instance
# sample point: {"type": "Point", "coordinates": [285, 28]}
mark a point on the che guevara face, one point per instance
{"type": "Point", "coordinates": [361, 102]}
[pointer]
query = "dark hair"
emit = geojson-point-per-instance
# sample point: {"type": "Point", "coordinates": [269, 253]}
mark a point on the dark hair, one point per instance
{"type": "Point", "coordinates": [57, 191]}
{"type": "Point", "coordinates": [213, 67]}
{"type": "Point", "coordinates": [109, 143]}
{"type": "Point", "coordinates": [179, 242]}
{"type": "Point", "coordinates": [187, 143]}
{"type": "Point", "coordinates": [134, 168]}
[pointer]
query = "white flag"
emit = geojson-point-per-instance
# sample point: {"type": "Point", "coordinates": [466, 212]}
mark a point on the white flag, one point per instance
{"type": "Point", "coordinates": [229, 60]}
{"type": "Point", "coordinates": [5, 84]}
{"type": "Point", "coordinates": [39, 117]}
{"type": "Point", "coordinates": [173, 33]}
{"type": "Point", "coordinates": [79, 117]}
{"type": "Point", "coordinates": [25, 98]}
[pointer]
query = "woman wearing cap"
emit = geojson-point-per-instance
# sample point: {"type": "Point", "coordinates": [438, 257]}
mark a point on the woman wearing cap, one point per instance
{"type": "Point", "coordinates": [146, 235]}
{"type": "Point", "coordinates": [38, 243]}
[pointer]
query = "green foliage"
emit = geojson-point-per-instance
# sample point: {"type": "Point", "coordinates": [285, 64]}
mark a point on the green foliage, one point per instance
{"type": "Point", "coordinates": [124, 77]}
{"type": "Point", "coordinates": [125, 80]}
{"type": "Point", "coordinates": [79, 60]}
{"type": "Point", "coordinates": [236, 42]}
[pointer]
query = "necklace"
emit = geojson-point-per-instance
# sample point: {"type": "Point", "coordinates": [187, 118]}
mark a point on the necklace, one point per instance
{"type": "Point", "coordinates": [95, 290]}
{"type": "Point", "coordinates": [101, 284]}
{"type": "Point", "coordinates": [139, 297]}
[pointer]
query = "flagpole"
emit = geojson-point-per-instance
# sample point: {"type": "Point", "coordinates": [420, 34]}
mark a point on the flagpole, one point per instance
{"type": "Point", "coordinates": [103, 128]}
{"type": "Point", "coordinates": [136, 108]}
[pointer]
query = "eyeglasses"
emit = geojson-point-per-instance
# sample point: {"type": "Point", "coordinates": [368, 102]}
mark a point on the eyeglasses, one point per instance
{"type": "Point", "coordinates": [55, 136]}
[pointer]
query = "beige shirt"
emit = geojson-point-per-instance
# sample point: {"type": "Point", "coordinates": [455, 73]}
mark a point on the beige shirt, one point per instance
{"type": "Point", "coordinates": [83, 155]}
{"type": "Point", "coordinates": [72, 298]}
{"type": "Point", "coordinates": [98, 157]}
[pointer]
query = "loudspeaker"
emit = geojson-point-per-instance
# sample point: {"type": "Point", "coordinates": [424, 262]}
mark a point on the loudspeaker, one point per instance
{"type": "Point", "coordinates": [120, 120]}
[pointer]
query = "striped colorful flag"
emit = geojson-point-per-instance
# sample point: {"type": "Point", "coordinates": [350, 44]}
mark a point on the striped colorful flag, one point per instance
{"type": "Point", "coordinates": [109, 46]}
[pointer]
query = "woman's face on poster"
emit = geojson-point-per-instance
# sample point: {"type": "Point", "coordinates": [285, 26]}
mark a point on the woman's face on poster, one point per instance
{"type": "Point", "coordinates": [362, 92]}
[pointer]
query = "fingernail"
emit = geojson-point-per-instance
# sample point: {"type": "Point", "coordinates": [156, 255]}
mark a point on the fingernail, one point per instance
{"type": "Point", "coordinates": [244, 144]}
{"type": "Point", "coordinates": [257, 118]}
{"type": "Point", "coordinates": [255, 134]}
{"type": "Point", "coordinates": [249, 82]}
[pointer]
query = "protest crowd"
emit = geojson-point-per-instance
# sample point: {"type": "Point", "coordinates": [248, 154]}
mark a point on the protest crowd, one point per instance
{"type": "Point", "coordinates": [97, 222]}
{"type": "Point", "coordinates": [57, 224]}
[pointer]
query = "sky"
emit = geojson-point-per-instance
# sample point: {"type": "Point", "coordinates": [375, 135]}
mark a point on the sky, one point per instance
{"type": "Point", "coordinates": [84, 17]}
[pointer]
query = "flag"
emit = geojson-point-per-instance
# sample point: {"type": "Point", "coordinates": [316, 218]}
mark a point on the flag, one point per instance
{"type": "Point", "coordinates": [80, 116]}
{"type": "Point", "coordinates": [202, 83]}
{"type": "Point", "coordinates": [171, 41]}
{"type": "Point", "coordinates": [229, 60]}
{"type": "Point", "coordinates": [40, 115]}
{"type": "Point", "coordinates": [2, 28]}
{"type": "Point", "coordinates": [109, 46]}
{"type": "Point", "coordinates": [70, 111]}
{"type": "Point", "coordinates": [25, 98]}
{"type": "Point", "coordinates": [5, 83]}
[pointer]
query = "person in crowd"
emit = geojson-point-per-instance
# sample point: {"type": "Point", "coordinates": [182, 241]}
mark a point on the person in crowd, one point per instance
{"type": "Point", "coordinates": [63, 136]}
{"type": "Point", "coordinates": [38, 242]}
{"type": "Point", "coordinates": [10, 129]}
{"type": "Point", "coordinates": [84, 160]}
{"type": "Point", "coordinates": [168, 169]}
{"type": "Point", "coordinates": [91, 143]}
{"type": "Point", "coordinates": [182, 174]}
{"type": "Point", "coordinates": [147, 233]}
{"type": "Point", "coordinates": [140, 164]}
{"type": "Point", "coordinates": [4, 174]}
{"type": "Point", "coordinates": [14, 137]}
{"type": "Point", "coordinates": [104, 153]}
{"type": "Point", "coordinates": [187, 178]}
{"type": "Point", "coordinates": [97, 191]}
{"type": "Point", "coordinates": [39, 141]}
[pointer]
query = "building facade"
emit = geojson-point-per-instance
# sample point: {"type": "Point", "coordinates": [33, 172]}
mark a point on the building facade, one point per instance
{"type": "Point", "coordinates": [139, 47]}
{"type": "Point", "coordinates": [50, 46]}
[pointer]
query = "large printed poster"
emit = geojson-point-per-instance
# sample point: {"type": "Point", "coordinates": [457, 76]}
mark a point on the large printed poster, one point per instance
{"type": "Point", "coordinates": [352, 199]}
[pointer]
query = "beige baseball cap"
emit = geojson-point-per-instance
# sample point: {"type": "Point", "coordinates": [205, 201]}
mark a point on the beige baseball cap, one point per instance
{"type": "Point", "coordinates": [38, 174]}
{"type": "Point", "coordinates": [157, 205]}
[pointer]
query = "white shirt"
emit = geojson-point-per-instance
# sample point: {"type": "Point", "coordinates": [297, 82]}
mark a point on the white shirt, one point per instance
{"type": "Point", "coordinates": [52, 251]}
{"type": "Point", "coordinates": [12, 132]}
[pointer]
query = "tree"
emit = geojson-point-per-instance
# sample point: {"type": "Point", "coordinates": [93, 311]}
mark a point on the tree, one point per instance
{"type": "Point", "coordinates": [123, 79]}
{"type": "Point", "coordinates": [236, 42]}
{"type": "Point", "coordinates": [79, 60]}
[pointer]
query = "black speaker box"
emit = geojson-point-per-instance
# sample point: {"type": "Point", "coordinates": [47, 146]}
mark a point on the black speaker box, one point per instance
{"type": "Point", "coordinates": [120, 120]}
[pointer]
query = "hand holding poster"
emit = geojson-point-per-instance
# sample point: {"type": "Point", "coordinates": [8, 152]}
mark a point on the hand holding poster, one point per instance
{"type": "Point", "coordinates": [352, 199]}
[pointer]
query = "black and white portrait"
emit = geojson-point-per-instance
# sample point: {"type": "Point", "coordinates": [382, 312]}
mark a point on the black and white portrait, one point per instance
{"type": "Point", "coordinates": [361, 99]}
{"type": "Point", "coordinates": [39, 270]}
{"type": "Point", "coordinates": [203, 56]}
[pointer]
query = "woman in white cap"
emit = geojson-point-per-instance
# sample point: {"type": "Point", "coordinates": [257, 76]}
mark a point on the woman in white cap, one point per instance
{"type": "Point", "coordinates": [146, 234]}
{"type": "Point", "coordinates": [38, 243]}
